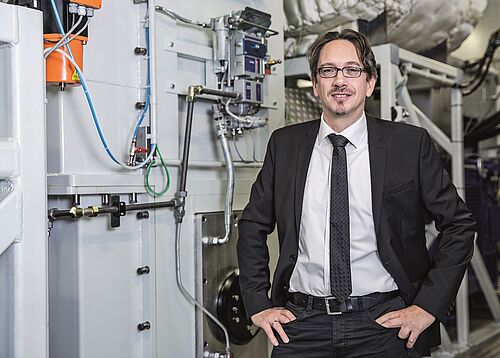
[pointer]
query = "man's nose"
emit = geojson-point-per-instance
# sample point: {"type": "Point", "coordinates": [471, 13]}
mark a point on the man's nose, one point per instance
{"type": "Point", "coordinates": [339, 80]}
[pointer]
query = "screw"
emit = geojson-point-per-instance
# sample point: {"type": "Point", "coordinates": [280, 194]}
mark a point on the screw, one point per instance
{"type": "Point", "coordinates": [143, 215]}
{"type": "Point", "coordinates": [144, 325]}
{"type": "Point", "coordinates": [143, 270]}
{"type": "Point", "coordinates": [76, 200]}
{"type": "Point", "coordinates": [172, 86]}
{"type": "Point", "coordinates": [105, 199]}
{"type": "Point", "coordinates": [171, 44]}
{"type": "Point", "coordinates": [275, 103]}
{"type": "Point", "coordinates": [140, 105]}
{"type": "Point", "coordinates": [141, 51]}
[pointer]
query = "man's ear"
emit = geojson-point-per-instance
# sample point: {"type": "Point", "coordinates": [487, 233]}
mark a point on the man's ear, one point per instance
{"type": "Point", "coordinates": [371, 86]}
{"type": "Point", "coordinates": [315, 88]}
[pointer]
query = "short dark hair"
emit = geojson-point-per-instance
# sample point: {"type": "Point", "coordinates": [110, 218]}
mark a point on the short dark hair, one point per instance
{"type": "Point", "coordinates": [359, 41]}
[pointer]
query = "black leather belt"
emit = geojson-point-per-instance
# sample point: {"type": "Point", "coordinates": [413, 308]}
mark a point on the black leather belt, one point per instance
{"type": "Point", "coordinates": [332, 307]}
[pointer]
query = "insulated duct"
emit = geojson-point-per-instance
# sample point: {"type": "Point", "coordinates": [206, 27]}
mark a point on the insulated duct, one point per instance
{"type": "Point", "coordinates": [416, 25]}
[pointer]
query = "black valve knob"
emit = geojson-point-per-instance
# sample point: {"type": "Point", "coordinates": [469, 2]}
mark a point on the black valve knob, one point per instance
{"type": "Point", "coordinates": [143, 326]}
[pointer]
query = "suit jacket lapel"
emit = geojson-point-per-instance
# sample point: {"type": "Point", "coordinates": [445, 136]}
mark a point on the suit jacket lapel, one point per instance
{"type": "Point", "coordinates": [303, 158]}
{"type": "Point", "coordinates": [376, 147]}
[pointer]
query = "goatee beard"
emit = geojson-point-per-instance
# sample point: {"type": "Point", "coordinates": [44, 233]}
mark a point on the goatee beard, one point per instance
{"type": "Point", "coordinates": [341, 111]}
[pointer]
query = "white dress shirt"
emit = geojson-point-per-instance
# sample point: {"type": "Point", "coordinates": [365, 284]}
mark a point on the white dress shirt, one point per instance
{"type": "Point", "coordinates": [312, 270]}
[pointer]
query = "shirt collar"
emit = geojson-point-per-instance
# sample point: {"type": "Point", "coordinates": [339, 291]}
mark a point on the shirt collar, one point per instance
{"type": "Point", "coordinates": [355, 133]}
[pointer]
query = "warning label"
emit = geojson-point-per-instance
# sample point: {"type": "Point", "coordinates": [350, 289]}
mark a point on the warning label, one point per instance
{"type": "Point", "coordinates": [75, 77]}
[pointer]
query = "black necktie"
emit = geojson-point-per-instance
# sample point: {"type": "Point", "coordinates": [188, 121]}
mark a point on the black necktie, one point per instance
{"type": "Point", "coordinates": [340, 264]}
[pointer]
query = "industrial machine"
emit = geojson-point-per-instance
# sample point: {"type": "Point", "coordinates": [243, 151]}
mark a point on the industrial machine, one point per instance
{"type": "Point", "coordinates": [120, 275]}
{"type": "Point", "coordinates": [122, 180]}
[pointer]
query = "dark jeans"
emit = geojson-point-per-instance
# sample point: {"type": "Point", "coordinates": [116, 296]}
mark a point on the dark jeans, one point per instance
{"type": "Point", "coordinates": [314, 334]}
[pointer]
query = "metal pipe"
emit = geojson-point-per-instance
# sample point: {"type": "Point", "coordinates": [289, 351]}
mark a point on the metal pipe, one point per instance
{"type": "Point", "coordinates": [437, 134]}
{"type": "Point", "coordinates": [430, 76]}
{"type": "Point", "coordinates": [92, 211]}
{"type": "Point", "coordinates": [218, 93]}
{"type": "Point", "coordinates": [157, 205]}
{"type": "Point", "coordinates": [187, 144]}
{"type": "Point", "coordinates": [212, 164]}
{"type": "Point", "coordinates": [187, 295]}
{"type": "Point", "coordinates": [56, 214]}
{"type": "Point", "coordinates": [420, 119]}
{"type": "Point", "coordinates": [195, 90]}
{"type": "Point", "coordinates": [228, 209]}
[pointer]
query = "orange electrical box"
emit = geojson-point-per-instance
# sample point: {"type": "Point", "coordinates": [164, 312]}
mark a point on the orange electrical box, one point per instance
{"type": "Point", "coordinates": [58, 68]}
{"type": "Point", "coordinates": [95, 4]}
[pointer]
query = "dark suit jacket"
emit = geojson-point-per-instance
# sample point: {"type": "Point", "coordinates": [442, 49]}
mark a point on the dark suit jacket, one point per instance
{"type": "Point", "coordinates": [408, 183]}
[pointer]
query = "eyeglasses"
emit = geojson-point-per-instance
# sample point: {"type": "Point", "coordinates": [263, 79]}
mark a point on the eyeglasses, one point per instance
{"type": "Point", "coordinates": [348, 71]}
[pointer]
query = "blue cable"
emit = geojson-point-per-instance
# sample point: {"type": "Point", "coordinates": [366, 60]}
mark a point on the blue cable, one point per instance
{"type": "Point", "coordinates": [148, 91]}
{"type": "Point", "coordinates": [85, 90]}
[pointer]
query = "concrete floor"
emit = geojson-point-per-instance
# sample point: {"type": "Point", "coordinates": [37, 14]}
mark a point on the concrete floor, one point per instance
{"type": "Point", "coordinates": [489, 349]}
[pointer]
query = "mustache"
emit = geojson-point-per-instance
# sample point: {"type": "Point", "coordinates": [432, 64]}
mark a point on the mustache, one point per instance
{"type": "Point", "coordinates": [340, 90]}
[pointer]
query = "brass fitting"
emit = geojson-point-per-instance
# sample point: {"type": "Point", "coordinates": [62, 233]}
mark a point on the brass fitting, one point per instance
{"type": "Point", "coordinates": [91, 211]}
{"type": "Point", "coordinates": [271, 62]}
{"type": "Point", "coordinates": [193, 91]}
{"type": "Point", "coordinates": [78, 212]}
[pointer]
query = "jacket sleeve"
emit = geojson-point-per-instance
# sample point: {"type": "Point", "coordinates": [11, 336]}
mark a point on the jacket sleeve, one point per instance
{"type": "Point", "coordinates": [256, 223]}
{"type": "Point", "coordinates": [456, 227]}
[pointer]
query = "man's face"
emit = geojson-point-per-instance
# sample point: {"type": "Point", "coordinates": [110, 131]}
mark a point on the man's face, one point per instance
{"type": "Point", "coordinates": [342, 97]}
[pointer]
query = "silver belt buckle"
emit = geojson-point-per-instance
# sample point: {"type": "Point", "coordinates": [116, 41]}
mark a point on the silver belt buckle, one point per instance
{"type": "Point", "coordinates": [327, 304]}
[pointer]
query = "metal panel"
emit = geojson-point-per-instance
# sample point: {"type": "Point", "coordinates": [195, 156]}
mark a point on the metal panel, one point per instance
{"type": "Point", "coordinates": [216, 264]}
{"type": "Point", "coordinates": [23, 266]}
{"type": "Point", "coordinates": [9, 27]}
{"type": "Point", "coordinates": [103, 304]}
{"type": "Point", "coordinates": [97, 298]}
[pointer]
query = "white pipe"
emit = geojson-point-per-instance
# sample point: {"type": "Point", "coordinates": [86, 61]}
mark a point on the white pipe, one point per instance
{"type": "Point", "coordinates": [153, 110]}
{"type": "Point", "coordinates": [228, 210]}
{"type": "Point", "coordinates": [441, 79]}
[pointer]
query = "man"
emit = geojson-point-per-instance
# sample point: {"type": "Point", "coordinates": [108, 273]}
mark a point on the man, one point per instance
{"type": "Point", "coordinates": [348, 194]}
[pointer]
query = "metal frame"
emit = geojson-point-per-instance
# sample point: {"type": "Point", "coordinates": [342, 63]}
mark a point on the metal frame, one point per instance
{"type": "Point", "coordinates": [23, 243]}
{"type": "Point", "coordinates": [393, 92]}
{"type": "Point", "coordinates": [392, 60]}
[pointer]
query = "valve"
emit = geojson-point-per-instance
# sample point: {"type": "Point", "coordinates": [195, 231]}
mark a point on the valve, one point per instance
{"type": "Point", "coordinates": [270, 62]}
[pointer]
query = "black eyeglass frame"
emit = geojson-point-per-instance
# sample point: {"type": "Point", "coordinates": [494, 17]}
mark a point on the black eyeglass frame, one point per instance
{"type": "Point", "coordinates": [359, 70]}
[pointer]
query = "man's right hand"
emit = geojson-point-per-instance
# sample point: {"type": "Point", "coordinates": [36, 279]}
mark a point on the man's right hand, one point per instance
{"type": "Point", "coordinates": [271, 319]}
